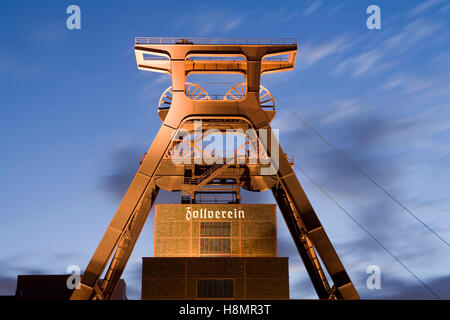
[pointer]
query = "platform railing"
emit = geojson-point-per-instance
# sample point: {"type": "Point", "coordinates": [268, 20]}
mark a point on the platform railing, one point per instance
{"type": "Point", "coordinates": [232, 59]}
{"type": "Point", "coordinates": [225, 97]}
{"type": "Point", "coordinates": [261, 160]}
{"type": "Point", "coordinates": [216, 41]}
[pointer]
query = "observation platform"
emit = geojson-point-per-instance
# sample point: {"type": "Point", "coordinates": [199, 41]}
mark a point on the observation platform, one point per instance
{"type": "Point", "coordinates": [215, 55]}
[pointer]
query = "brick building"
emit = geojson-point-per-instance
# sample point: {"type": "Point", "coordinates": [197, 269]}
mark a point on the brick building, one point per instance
{"type": "Point", "coordinates": [215, 251]}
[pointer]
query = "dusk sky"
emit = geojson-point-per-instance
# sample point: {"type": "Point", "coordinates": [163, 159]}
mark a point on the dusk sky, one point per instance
{"type": "Point", "coordinates": [76, 113]}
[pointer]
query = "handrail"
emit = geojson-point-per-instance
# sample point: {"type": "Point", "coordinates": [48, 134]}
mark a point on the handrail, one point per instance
{"type": "Point", "coordinates": [230, 59]}
{"type": "Point", "coordinates": [222, 97]}
{"type": "Point", "coordinates": [241, 159]}
{"type": "Point", "coordinates": [215, 41]}
{"type": "Point", "coordinates": [213, 59]}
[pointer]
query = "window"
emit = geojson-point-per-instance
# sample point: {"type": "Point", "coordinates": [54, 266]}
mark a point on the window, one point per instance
{"type": "Point", "coordinates": [215, 288]}
{"type": "Point", "coordinates": [215, 238]}
{"type": "Point", "coordinates": [215, 229]}
{"type": "Point", "coordinates": [215, 246]}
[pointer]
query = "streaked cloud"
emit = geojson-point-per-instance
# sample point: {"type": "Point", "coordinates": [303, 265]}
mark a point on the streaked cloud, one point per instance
{"type": "Point", "coordinates": [384, 54]}
{"type": "Point", "coordinates": [205, 21]}
{"type": "Point", "coordinates": [313, 7]}
{"type": "Point", "coordinates": [283, 14]}
{"type": "Point", "coordinates": [365, 62]}
{"type": "Point", "coordinates": [421, 8]}
{"type": "Point", "coordinates": [407, 83]}
{"type": "Point", "coordinates": [234, 22]}
{"type": "Point", "coordinates": [412, 34]}
{"type": "Point", "coordinates": [342, 108]}
{"type": "Point", "coordinates": [313, 53]}
{"type": "Point", "coordinates": [360, 64]}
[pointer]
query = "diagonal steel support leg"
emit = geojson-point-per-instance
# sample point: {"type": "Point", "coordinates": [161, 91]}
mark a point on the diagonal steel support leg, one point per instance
{"type": "Point", "coordinates": [307, 253]}
{"type": "Point", "coordinates": [303, 222]}
{"type": "Point", "coordinates": [135, 205]}
{"type": "Point", "coordinates": [126, 245]}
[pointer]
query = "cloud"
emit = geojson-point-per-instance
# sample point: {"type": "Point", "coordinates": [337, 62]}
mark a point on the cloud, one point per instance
{"type": "Point", "coordinates": [234, 22]}
{"type": "Point", "coordinates": [133, 277]}
{"type": "Point", "coordinates": [362, 64]}
{"type": "Point", "coordinates": [395, 81]}
{"type": "Point", "coordinates": [124, 165]}
{"type": "Point", "coordinates": [401, 288]}
{"type": "Point", "coordinates": [206, 21]}
{"type": "Point", "coordinates": [365, 62]}
{"type": "Point", "coordinates": [412, 34]}
{"type": "Point", "coordinates": [7, 285]}
{"type": "Point", "coordinates": [300, 286]}
{"type": "Point", "coordinates": [313, 7]}
{"type": "Point", "coordinates": [285, 123]}
{"type": "Point", "coordinates": [407, 84]}
{"type": "Point", "coordinates": [66, 255]}
{"type": "Point", "coordinates": [444, 8]}
{"type": "Point", "coordinates": [389, 51]}
{"type": "Point", "coordinates": [342, 108]}
{"type": "Point", "coordinates": [284, 14]}
{"type": "Point", "coordinates": [384, 145]}
{"type": "Point", "coordinates": [164, 78]}
{"type": "Point", "coordinates": [16, 66]}
{"type": "Point", "coordinates": [416, 85]}
{"type": "Point", "coordinates": [52, 33]}
{"type": "Point", "coordinates": [12, 266]}
{"type": "Point", "coordinates": [421, 8]}
{"type": "Point", "coordinates": [315, 53]}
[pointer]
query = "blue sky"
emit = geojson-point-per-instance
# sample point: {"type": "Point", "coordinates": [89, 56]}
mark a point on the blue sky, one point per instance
{"type": "Point", "coordinates": [76, 113]}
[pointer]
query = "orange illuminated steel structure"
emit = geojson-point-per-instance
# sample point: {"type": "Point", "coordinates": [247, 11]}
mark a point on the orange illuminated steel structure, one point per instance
{"type": "Point", "coordinates": [247, 107]}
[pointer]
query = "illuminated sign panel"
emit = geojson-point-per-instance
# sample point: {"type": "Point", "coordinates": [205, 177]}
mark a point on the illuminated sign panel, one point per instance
{"type": "Point", "coordinates": [194, 230]}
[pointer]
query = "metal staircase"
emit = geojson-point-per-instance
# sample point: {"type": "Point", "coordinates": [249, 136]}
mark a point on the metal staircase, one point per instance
{"type": "Point", "coordinates": [209, 174]}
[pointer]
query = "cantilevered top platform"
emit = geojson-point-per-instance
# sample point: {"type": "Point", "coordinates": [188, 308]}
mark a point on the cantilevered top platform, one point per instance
{"type": "Point", "coordinates": [216, 55]}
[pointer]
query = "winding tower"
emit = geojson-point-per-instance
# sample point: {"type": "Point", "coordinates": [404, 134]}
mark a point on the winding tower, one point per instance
{"type": "Point", "coordinates": [179, 160]}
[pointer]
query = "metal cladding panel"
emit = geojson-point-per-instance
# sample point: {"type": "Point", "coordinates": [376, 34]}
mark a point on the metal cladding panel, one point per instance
{"type": "Point", "coordinates": [164, 288]}
{"type": "Point", "coordinates": [272, 268]}
{"type": "Point", "coordinates": [243, 230]}
{"type": "Point", "coordinates": [267, 288]}
{"type": "Point", "coordinates": [178, 278]}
